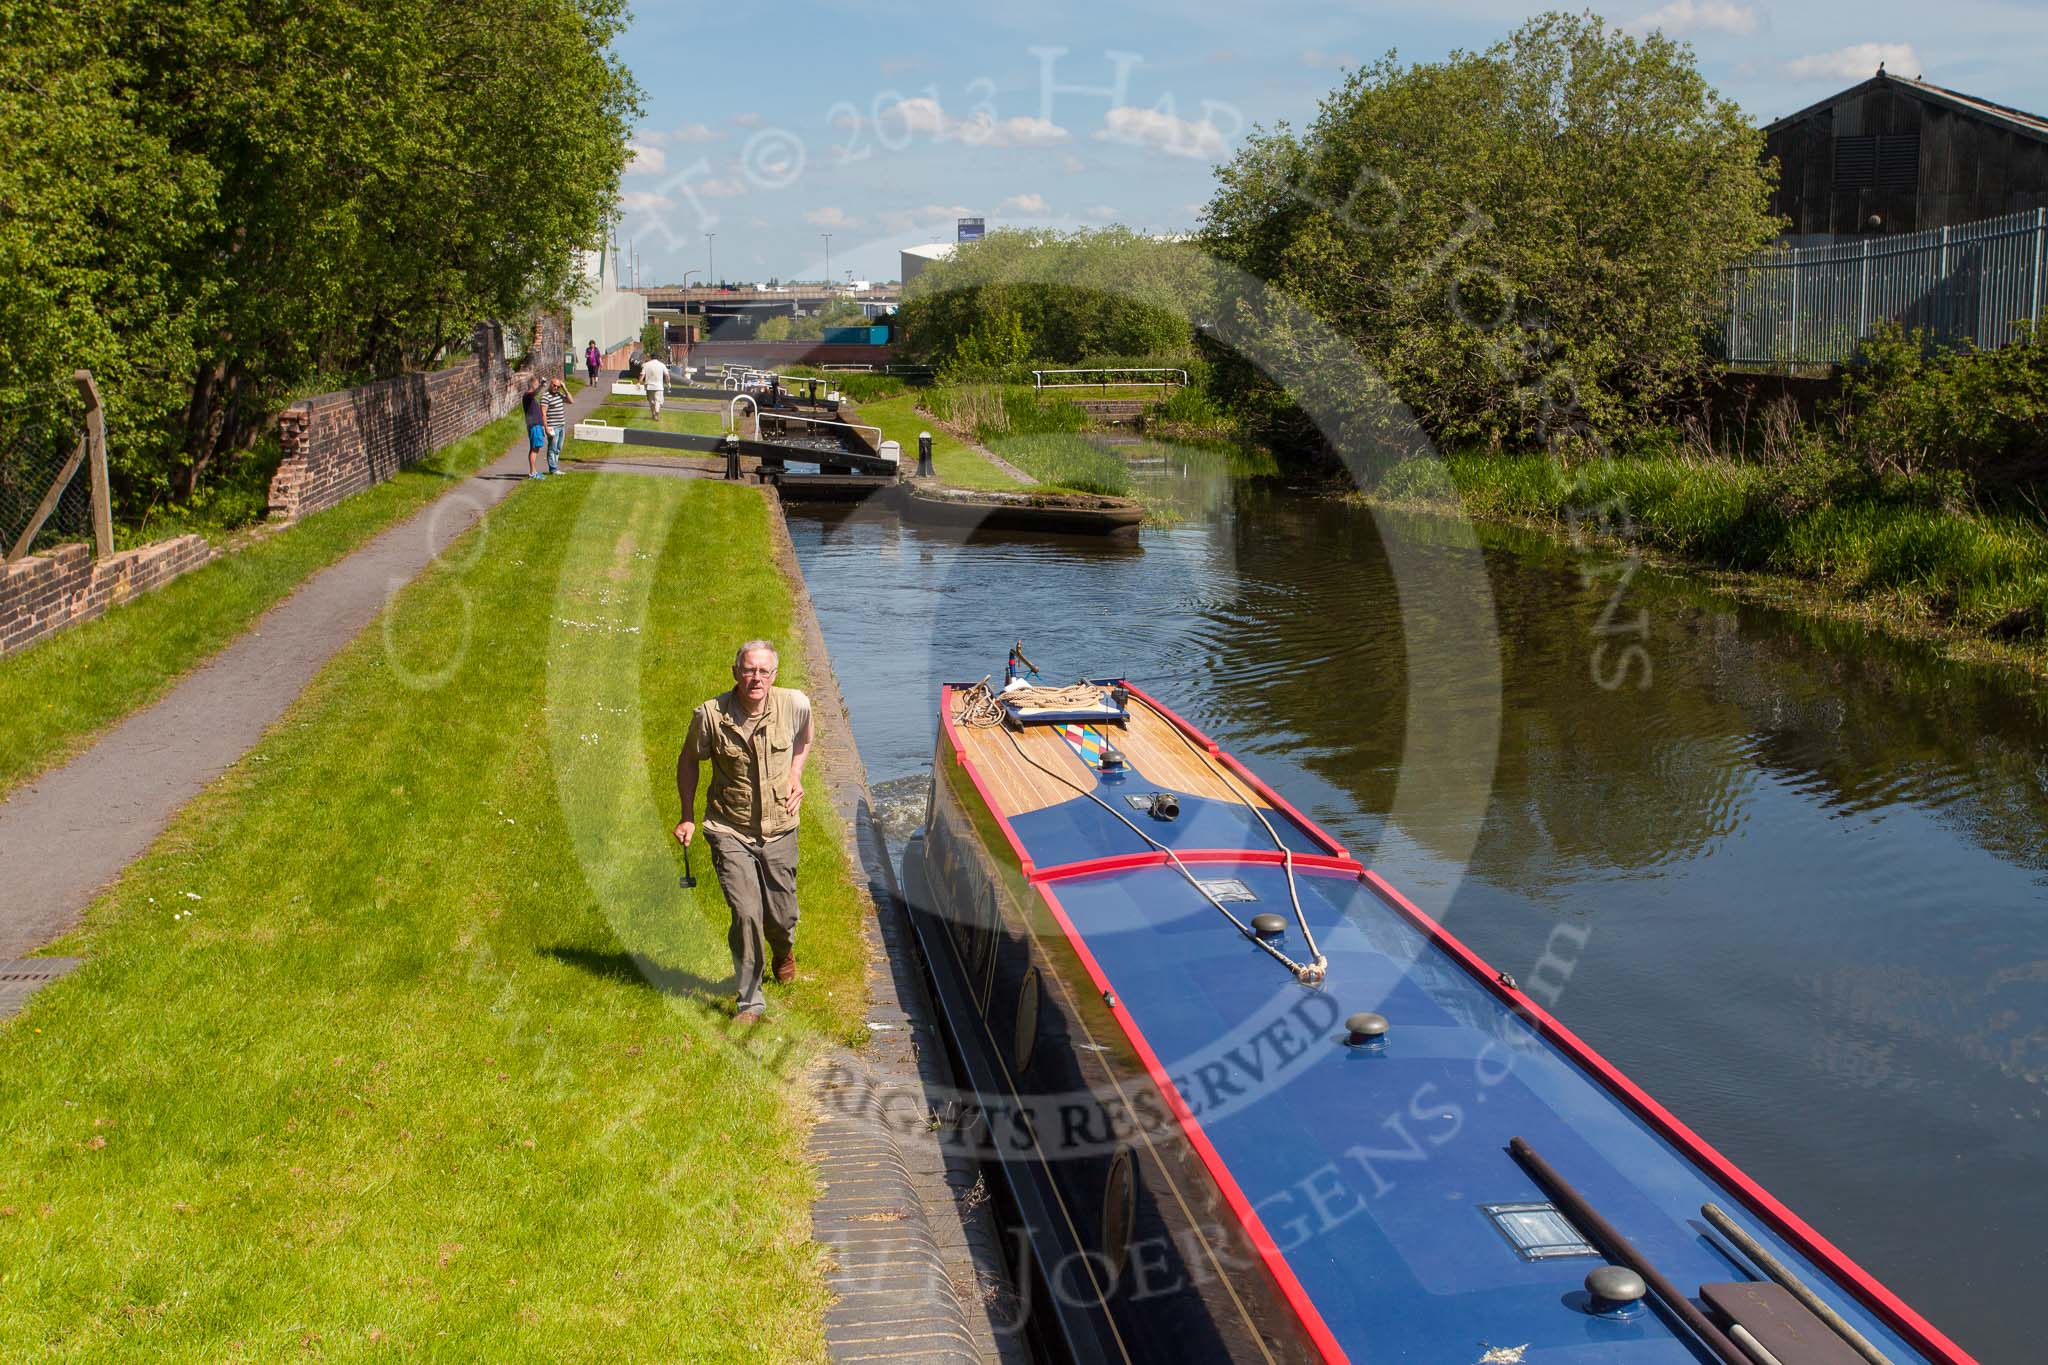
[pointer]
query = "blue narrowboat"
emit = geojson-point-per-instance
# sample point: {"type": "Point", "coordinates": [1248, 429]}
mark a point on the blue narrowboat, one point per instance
{"type": "Point", "coordinates": [1247, 1102]}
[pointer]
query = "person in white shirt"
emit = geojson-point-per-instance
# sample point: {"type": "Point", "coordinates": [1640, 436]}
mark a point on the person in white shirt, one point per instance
{"type": "Point", "coordinates": [654, 375]}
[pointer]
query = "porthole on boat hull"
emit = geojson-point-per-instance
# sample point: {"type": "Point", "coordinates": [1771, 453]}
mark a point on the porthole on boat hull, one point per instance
{"type": "Point", "coordinates": [1119, 1212]}
{"type": "Point", "coordinates": [1024, 1040]}
{"type": "Point", "coordinates": [1537, 1232]}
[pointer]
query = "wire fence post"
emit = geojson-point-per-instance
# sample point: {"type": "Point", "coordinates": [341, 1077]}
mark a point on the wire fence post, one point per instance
{"type": "Point", "coordinates": [2040, 248]}
{"type": "Point", "coordinates": [1863, 296]}
{"type": "Point", "coordinates": [1792, 350]}
{"type": "Point", "coordinates": [96, 457]}
{"type": "Point", "coordinates": [1941, 293]}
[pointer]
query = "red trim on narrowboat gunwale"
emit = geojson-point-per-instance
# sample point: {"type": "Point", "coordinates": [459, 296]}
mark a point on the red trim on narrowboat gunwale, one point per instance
{"type": "Point", "coordinates": [1125, 862]}
{"type": "Point", "coordinates": [1760, 1202]}
{"type": "Point", "coordinates": [1273, 798]}
{"type": "Point", "coordinates": [1262, 1241]}
{"type": "Point", "coordinates": [960, 757]}
{"type": "Point", "coordinates": [1859, 1281]}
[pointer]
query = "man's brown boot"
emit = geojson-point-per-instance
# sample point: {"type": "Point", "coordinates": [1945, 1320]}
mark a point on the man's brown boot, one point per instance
{"type": "Point", "coordinates": [747, 1016]}
{"type": "Point", "coordinates": [785, 966]}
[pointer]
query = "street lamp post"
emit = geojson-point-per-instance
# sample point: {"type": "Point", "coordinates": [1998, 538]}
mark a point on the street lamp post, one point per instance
{"type": "Point", "coordinates": [828, 259]}
{"type": "Point", "coordinates": [710, 274]}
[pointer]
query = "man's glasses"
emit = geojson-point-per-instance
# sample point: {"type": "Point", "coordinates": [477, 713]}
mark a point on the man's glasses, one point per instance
{"type": "Point", "coordinates": [758, 672]}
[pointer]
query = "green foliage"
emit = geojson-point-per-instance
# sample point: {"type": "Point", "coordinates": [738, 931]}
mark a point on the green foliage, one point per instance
{"type": "Point", "coordinates": [993, 410]}
{"type": "Point", "coordinates": [1907, 407]}
{"type": "Point", "coordinates": [1068, 461]}
{"type": "Point", "coordinates": [215, 206]}
{"type": "Point", "coordinates": [1523, 242]}
{"type": "Point", "coordinates": [1016, 296]}
{"type": "Point", "coordinates": [1821, 516]}
{"type": "Point", "coordinates": [653, 335]}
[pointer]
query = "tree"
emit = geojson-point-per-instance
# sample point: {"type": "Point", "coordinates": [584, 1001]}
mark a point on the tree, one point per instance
{"type": "Point", "coordinates": [282, 198]}
{"type": "Point", "coordinates": [1104, 292]}
{"type": "Point", "coordinates": [1525, 243]}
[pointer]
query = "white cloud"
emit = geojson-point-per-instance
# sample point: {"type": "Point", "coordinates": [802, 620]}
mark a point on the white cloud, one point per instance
{"type": "Point", "coordinates": [1857, 62]}
{"type": "Point", "coordinates": [689, 132]}
{"type": "Point", "coordinates": [645, 160]}
{"type": "Point", "coordinates": [1072, 165]}
{"type": "Point", "coordinates": [1334, 61]}
{"type": "Point", "coordinates": [731, 187]}
{"type": "Point", "coordinates": [747, 120]}
{"type": "Point", "coordinates": [1198, 138]}
{"type": "Point", "coordinates": [641, 201]}
{"type": "Point", "coordinates": [1681, 17]}
{"type": "Point", "coordinates": [902, 220]}
{"type": "Point", "coordinates": [1025, 204]}
{"type": "Point", "coordinates": [833, 217]}
{"type": "Point", "coordinates": [925, 117]}
{"type": "Point", "coordinates": [1100, 212]}
{"type": "Point", "coordinates": [983, 131]}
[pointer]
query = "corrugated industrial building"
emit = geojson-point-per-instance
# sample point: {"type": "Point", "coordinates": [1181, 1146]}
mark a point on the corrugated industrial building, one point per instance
{"type": "Point", "coordinates": [1900, 155]}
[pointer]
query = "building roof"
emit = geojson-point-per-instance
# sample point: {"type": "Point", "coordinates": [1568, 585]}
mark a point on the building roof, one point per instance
{"type": "Point", "coordinates": [2017, 120]}
{"type": "Point", "coordinates": [931, 251]}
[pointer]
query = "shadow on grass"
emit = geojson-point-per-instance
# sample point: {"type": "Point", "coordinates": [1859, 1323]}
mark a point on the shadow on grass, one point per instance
{"type": "Point", "coordinates": [637, 969]}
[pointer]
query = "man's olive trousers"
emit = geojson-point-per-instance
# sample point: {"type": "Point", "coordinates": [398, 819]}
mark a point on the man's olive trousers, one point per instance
{"type": "Point", "coordinates": [759, 881]}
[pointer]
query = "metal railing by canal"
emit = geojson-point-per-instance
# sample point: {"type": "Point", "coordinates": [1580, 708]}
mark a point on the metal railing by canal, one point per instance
{"type": "Point", "coordinates": [1977, 282]}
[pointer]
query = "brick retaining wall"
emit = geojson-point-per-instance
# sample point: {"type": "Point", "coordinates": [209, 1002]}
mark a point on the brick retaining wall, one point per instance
{"type": "Point", "coordinates": [42, 594]}
{"type": "Point", "coordinates": [339, 444]}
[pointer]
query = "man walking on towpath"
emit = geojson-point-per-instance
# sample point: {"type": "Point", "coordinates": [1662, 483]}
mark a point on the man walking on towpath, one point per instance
{"type": "Point", "coordinates": [756, 738]}
{"type": "Point", "coordinates": [536, 426]}
{"type": "Point", "coordinates": [654, 375]}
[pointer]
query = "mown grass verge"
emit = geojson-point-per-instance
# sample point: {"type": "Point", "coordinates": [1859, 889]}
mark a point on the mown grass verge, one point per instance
{"type": "Point", "coordinates": [403, 1038]}
{"type": "Point", "coordinates": [689, 421]}
{"type": "Point", "coordinates": [59, 692]}
{"type": "Point", "coordinates": [1906, 547]}
{"type": "Point", "coordinates": [953, 460]}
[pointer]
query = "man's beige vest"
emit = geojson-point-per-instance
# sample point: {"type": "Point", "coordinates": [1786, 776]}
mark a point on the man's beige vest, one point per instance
{"type": "Point", "coordinates": [749, 773]}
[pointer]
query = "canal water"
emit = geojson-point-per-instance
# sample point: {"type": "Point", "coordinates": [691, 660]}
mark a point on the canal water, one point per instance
{"type": "Point", "coordinates": [1792, 879]}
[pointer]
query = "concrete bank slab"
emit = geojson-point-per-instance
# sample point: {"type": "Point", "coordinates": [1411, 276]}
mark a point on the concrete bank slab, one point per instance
{"type": "Point", "coordinates": [917, 1255]}
{"type": "Point", "coordinates": [70, 832]}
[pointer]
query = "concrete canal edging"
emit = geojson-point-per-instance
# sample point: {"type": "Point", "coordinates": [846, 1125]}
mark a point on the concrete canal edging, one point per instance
{"type": "Point", "coordinates": [917, 1264]}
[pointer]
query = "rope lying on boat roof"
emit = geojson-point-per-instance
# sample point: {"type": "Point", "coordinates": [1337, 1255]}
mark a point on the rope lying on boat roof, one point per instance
{"type": "Point", "coordinates": [977, 700]}
{"type": "Point", "coordinates": [982, 708]}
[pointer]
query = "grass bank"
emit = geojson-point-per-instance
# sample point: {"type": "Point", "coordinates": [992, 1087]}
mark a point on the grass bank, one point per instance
{"type": "Point", "coordinates": [954, 460]}
{"type": "Point", "coordinates": [1912, 554]}
{"type": "Point", "coordinates": [55, 695]}
{"type": "Point", "coordinates": [403, 1038]}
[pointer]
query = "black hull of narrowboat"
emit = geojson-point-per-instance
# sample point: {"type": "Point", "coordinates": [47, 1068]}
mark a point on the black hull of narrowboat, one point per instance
{"type": "Point", "coordinates": [1120, 1240]}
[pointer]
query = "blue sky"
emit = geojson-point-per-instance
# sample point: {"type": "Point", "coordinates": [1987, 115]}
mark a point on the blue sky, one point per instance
{"type": "Point", "coordinates": [880, 121]}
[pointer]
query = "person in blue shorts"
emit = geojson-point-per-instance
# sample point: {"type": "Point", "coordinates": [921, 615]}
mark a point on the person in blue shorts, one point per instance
{"type": "Point", "coordinates": [536, 426]}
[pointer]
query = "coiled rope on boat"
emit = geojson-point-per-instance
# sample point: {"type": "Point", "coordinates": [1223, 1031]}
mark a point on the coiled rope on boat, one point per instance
{"type": "Point", "coordinates": [982, 709]}
{"type": "Point", "coordinates": [978, 703]}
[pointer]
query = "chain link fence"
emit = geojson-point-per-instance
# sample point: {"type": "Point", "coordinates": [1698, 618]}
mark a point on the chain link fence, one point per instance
{"type": "Point", "coordinates": [1976, 282]}
{"type": "Point", "coordinates": [41, 426]}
